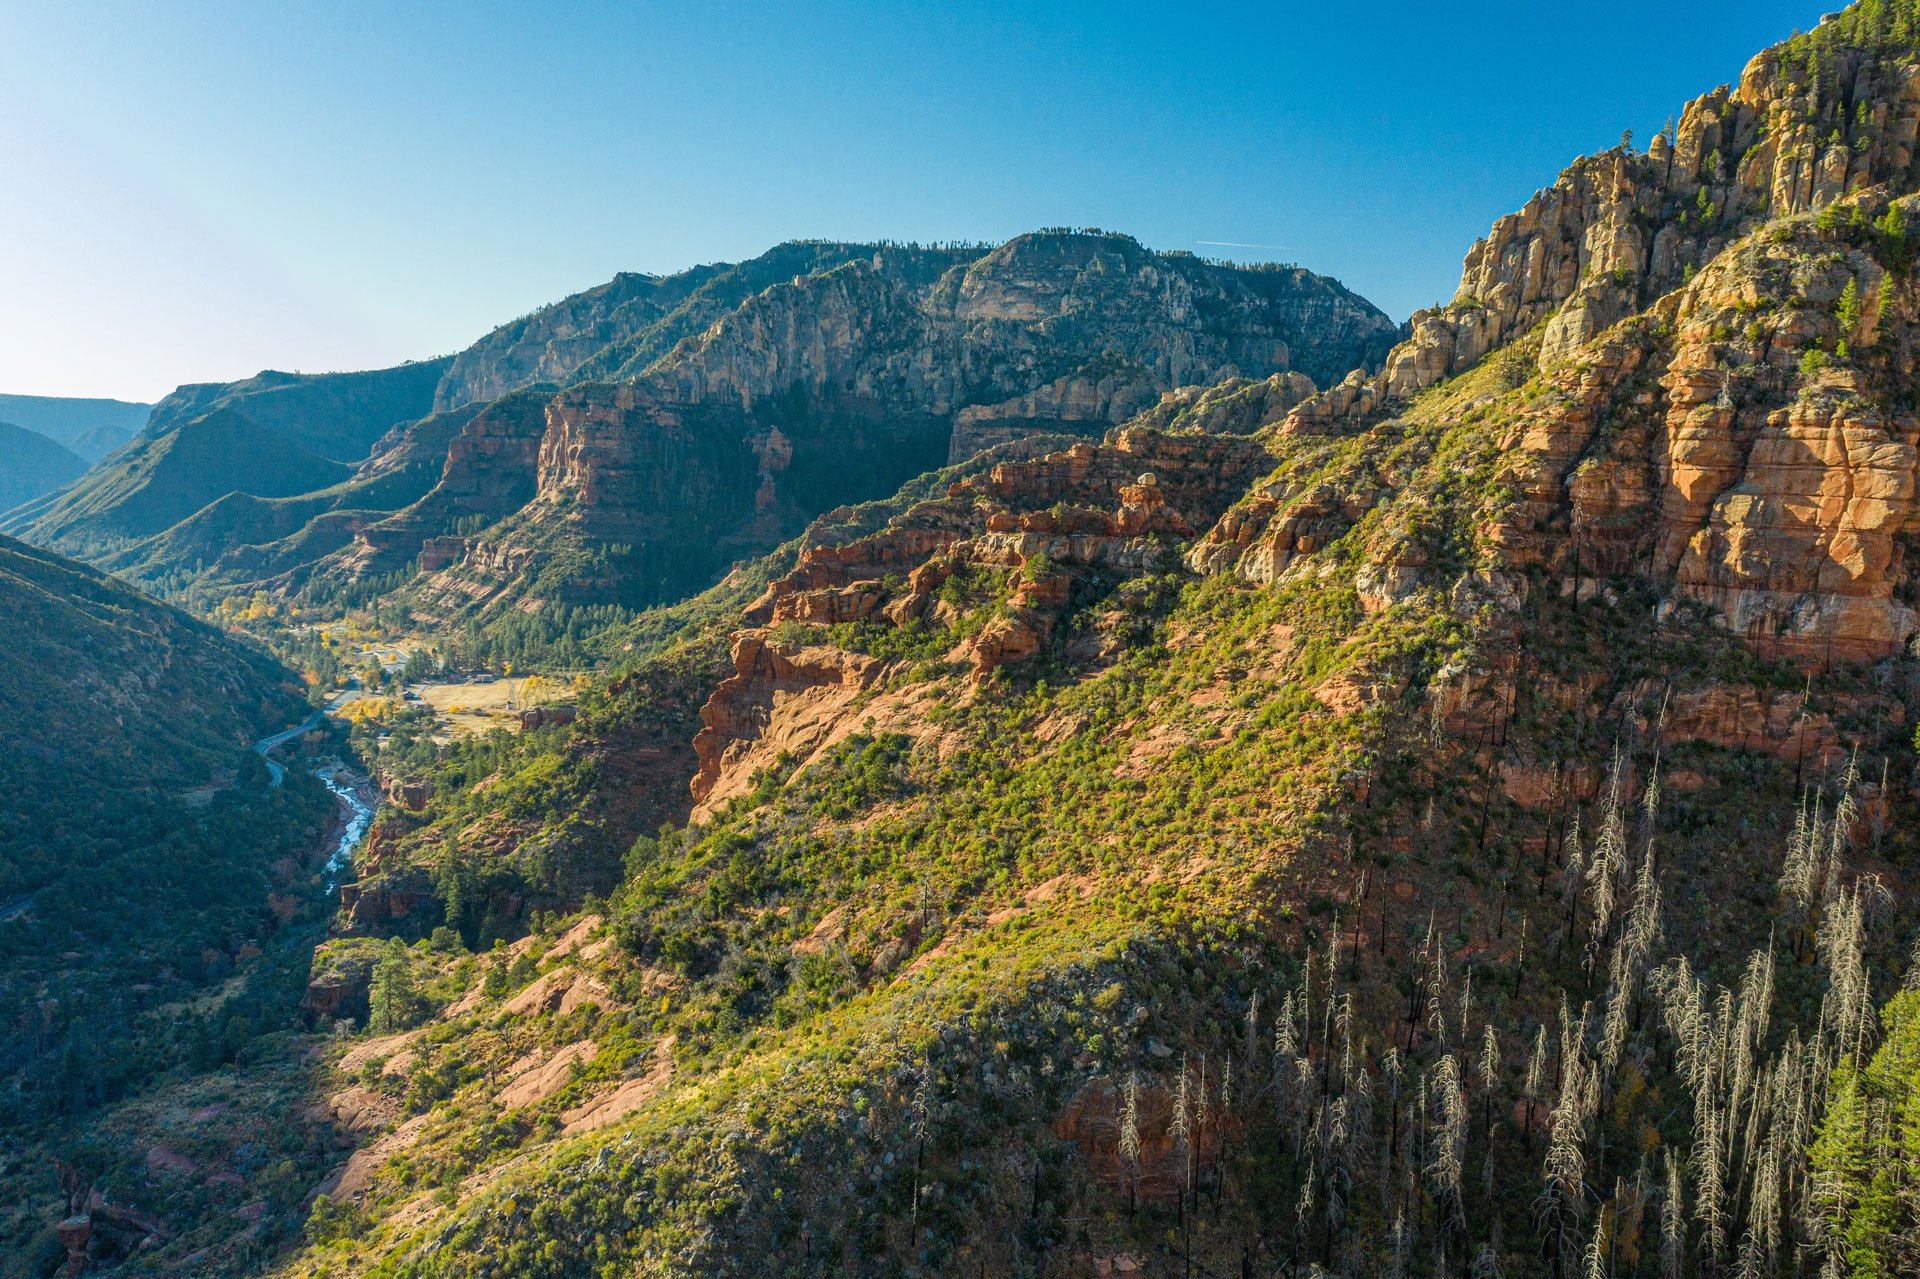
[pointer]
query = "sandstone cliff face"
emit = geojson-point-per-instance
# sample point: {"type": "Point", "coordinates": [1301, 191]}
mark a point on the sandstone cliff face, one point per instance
{"type": "Point", "coordinates": [555, 341]}
{"type": "Point", "coordinates": [1237, 406]}
{"type": "Point", "coordinates": [616, 331]}
{"type": "Point", "coordinates": [815, 336]}
{"type": "Point", "coordinates": [1115, 504]}
{"type": "Point", "coordinates": [1704, 446]}
{"type": "Point", "coordinates": [1091, 397]}
{"type": "Point", "coordinates": [1184, 320]}
{"type": "Point", "coordinates": [1718, 446]}
{"type": "Point", "coordinates": [1791, 518]}
{"type": "Point", "coordinates": [656, 495]}
{"type": "Point", "coordinates": [1179, 319]}
{"type": "Point", "coordinates": [486, 456]}
{"type": "Point", "coordinates": [1046, 329]}
{"type": "Point", "coordinates": [1617, 230]}
{"type": "Point", "coordinates": [1745, 440]}
{"type": "Point", "coordinates": [782, 699]}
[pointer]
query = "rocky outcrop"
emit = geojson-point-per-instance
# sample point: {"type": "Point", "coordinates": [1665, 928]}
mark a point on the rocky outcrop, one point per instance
{"type": "Point", "coordinates": [1096, 401]}
{"type": "Point", "coordinates": [407, 794]}
{"type": "Point", "coordinates": [1619, 229]}
{"type": "Point", "coordinates": [782, 699]}
{"type": "Point", "coordinates": [378, 904]}
{"type": "Point", "coordinates": [1779, 723]}
{"type": "Point", "coordinates": [1803, 552]}
{"type": "Point", "coordinates": [1719, 446]}
{"type": "Point", "coordinates": [1092, 1122]}
{"type": "Point", "coordinates": [1787, 492]}
{"type": "Point", "coordinates": [1741, 442]}
{"type": "Point", "coordinates": [97, 1229]}
{"type": "Point", "coordinates": [985, 573]}
{"type": "Point", "coordinates": [338, 981]}
{"type": "Point", "coordinates": [548, 716]}
{"type": "Point", "coordinates": [1099, 294]}
{"type": "Point", "coordinates": [488, 471]}
{"type": "Point", "coordinates": [1263, 534]}
{"type": "Point", "coordinates": [1237, 406]}
{"type": "Point", "coordinates": [1110, 504]}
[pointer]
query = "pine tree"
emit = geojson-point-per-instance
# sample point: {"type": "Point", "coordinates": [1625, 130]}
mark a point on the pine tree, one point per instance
{"type": "Point", "coordinates": [392, 997]}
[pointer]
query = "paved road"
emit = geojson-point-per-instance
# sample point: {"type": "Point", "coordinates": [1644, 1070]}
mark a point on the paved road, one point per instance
{"type": "Point", "coordinates": [266, 744]}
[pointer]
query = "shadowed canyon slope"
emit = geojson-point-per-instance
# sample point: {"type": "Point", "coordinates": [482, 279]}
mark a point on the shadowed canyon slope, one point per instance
{"type": "Point", "coordinates": [32, 464]}
{"type": "Point", "coordinates": [91, 428]}
{"type": "Point", "coordinates": [145, 859]}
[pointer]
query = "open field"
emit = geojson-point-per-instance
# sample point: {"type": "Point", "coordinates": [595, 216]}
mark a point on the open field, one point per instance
{"type": "Point", "coordinates": [473, 708]}
{"type": "Point", "coordinates": [464, 708]}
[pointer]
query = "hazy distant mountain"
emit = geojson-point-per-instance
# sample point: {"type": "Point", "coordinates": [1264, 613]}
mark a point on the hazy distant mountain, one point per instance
{"type": "Point", "coordinates": [272, 435]}
{"type": "Point", "coordinates": [67, 419]}
{"type": "Point", "coordinates": [32, 464]}
{"type": "Point", "coordinates": [337, 416]}
{"type": "Point", "coordinates": [96, 442]}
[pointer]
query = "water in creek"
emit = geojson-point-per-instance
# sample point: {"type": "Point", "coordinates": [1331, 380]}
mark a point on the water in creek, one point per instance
{"type": "Point", "coordinates": [360, 816]}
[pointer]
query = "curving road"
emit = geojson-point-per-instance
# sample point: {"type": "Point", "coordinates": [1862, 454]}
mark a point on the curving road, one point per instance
{"type": "Point", "coordinates": [267, 744]}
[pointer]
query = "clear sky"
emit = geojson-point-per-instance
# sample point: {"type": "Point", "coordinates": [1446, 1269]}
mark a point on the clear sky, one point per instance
{"type": "Point", "coordinates": [193, 192]}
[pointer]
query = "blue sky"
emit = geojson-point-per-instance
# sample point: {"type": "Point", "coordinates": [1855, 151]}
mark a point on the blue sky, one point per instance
{"type": "Point", "coordinates": [193, 192]}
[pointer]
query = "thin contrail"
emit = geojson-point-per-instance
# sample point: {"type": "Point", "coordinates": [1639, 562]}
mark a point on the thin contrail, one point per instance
{"type": "Point", "coordinates": [1238, 244]}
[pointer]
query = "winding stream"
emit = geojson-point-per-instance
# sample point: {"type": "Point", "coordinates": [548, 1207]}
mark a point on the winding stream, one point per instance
{"type": "Point", "coordinates": [337, 778]}
{"type": "Point", "coordinates": [360, 816]}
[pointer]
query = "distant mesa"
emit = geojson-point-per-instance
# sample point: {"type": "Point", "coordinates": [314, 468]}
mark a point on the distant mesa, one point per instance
{"type": "Point", "coordinates": [628, 443]}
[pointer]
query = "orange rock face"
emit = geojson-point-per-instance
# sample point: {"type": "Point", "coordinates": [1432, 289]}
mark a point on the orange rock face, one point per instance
{"type": "Point", "coordinates": [1778, 723]}
{"type": "Point", "coordinates": [780, 699]}
{"type": "Point", "coordinates": [1697, 445]}
{"type": "Point", "coordinates": [1580, 255]}
{"type": "Point", "coordinates": [1778, 497]}
{"type": "Point", "coordinates": [1031, 526]}
{"type": "Point", "coordinates": [1799, 548]}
